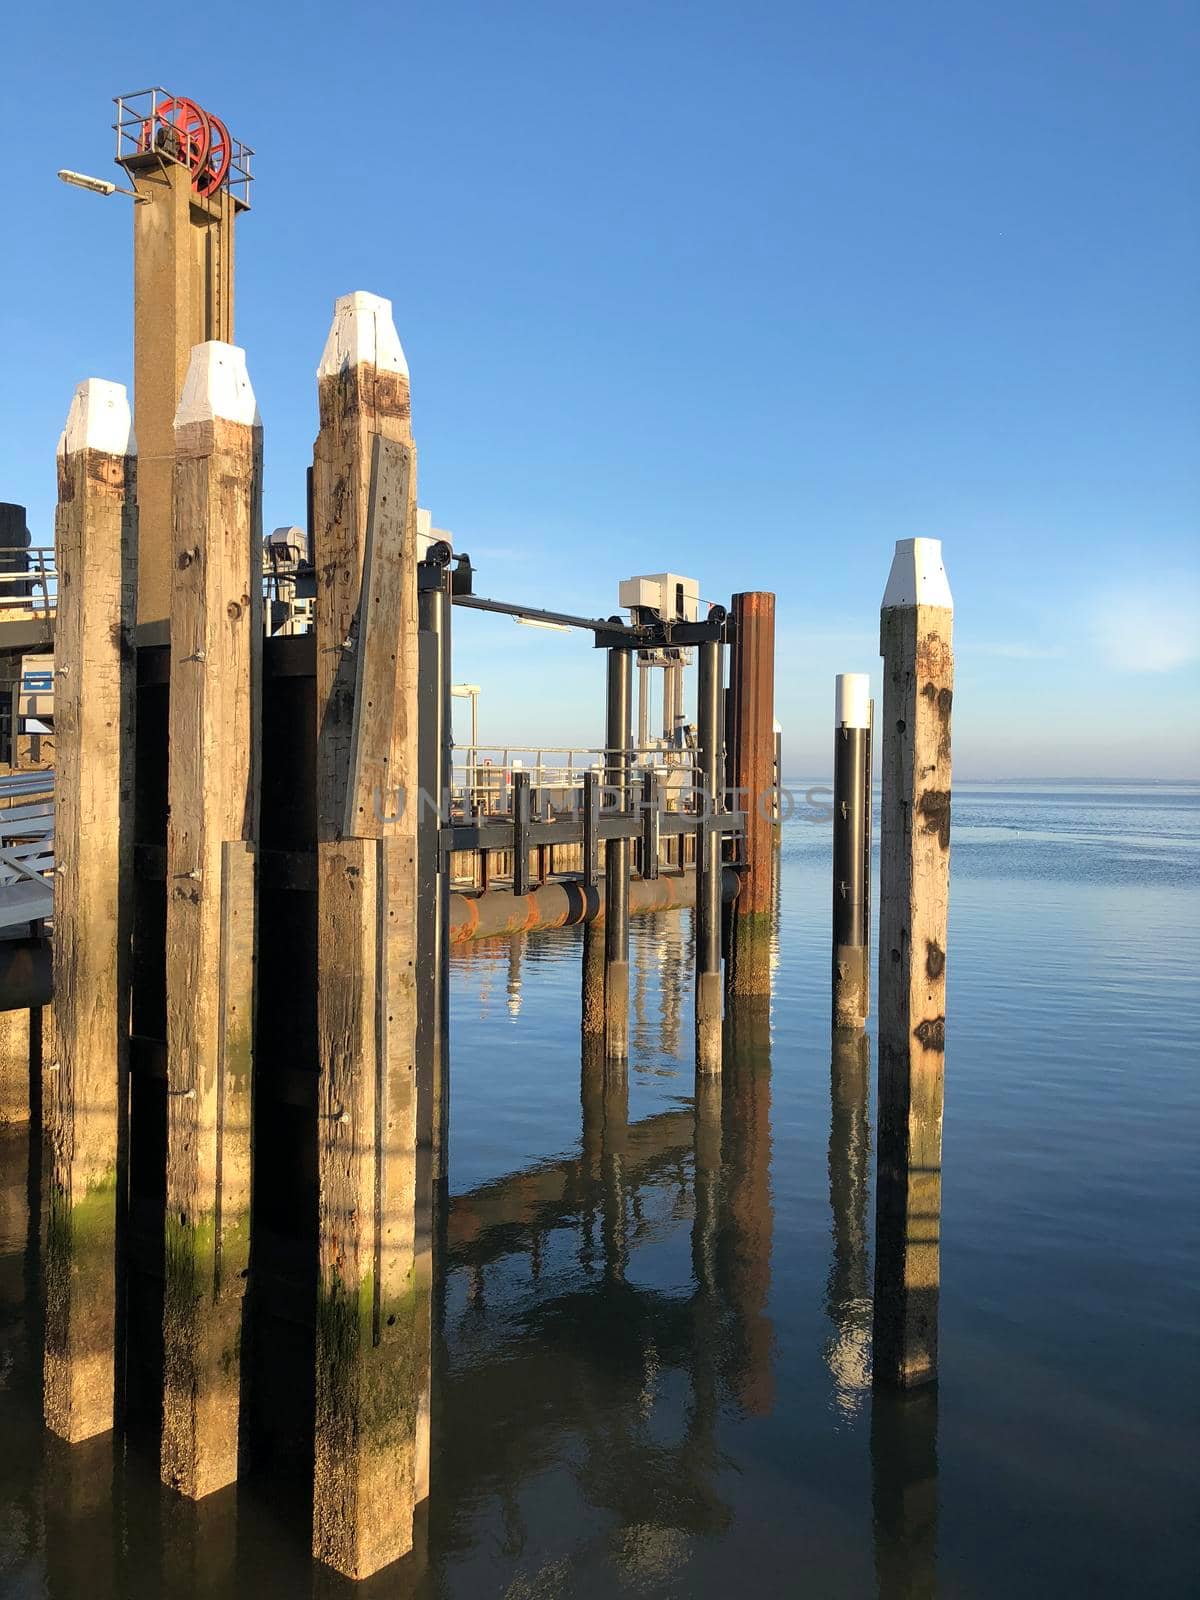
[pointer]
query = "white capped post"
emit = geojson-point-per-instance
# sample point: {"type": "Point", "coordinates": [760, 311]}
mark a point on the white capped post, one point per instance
{"type": "Point", "coordinates": [852, 717]}
{"type": "Point", "coordinates": [95, 536]}
{"type": "Point", "coordinates": [916, 627]}
{"type": "Point", "coordinates": [212, 833]}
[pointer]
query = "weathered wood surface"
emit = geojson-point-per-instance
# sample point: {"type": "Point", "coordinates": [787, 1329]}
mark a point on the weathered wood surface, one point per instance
{"type": "Point", "coordinates": [918, 683]}
{"type": "Point", "coordinates": [750, 777]}
{"type": "Point", "coordinates": [373, 1335]}
{"type": "Point", "coordinates": [85, 1078]}
{"type": "Point", "coordinates": [391, 505]}
{"type": "Point", "coordinates": [213, 789]}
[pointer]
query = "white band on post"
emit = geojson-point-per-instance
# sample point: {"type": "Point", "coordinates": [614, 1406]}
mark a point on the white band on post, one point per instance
{"type": "Point", "coordinates": [362, 334]}
{"type": "Point", "coordinates": [852, 700]}
{"type": "Point", "coordinates": [918, 577]}
{"type": "Point", "coordinates": [99, 419]}
{"type": "Point", "coordinates": [217, 386]}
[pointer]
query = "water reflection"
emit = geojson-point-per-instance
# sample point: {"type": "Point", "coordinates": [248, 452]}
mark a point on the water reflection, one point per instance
{"type": "Point", "coordinates": [625, 1379]}
{"type": "Point", "coordinates": [848, 1291]}
{"type": "Point", "coordinates": [904, 1492]}
{"type": "Point", "coordinates": [603, 1319]}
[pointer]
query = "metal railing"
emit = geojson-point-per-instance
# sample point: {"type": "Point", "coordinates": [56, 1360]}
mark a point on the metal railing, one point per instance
{"type": "Point", "coordinates": [32, 590]}
{"type": "Point", "coordinates": [143, 115]}
{"type": "Point", "coordinates": [482, 783]}
{"type": "Point", "coordinates": [26, 847]}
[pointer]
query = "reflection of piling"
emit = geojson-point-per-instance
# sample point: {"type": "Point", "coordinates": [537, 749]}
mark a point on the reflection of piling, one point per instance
{"type": "Point", "coordinates": [746, 1252]}
{"type": "Point", "coordinates": [848, 1297]}
{"type": "Point", "coordinates": [617, 852]}
{"type": "Point", "coordinates": [604, 1098]}
{"type": "Point", "coordinates": [904, 1493]}
{"type": "Point", "coordinates": [372, 1412]}
{"type": "Point", "coordinates": [851, 849]}
{"type": "Point", "coordinates": [87, 1085]}
{"type": "Point", "coordinates": [751, 779]}
{"type": "Point", "coordinates": [709, 707]}
{"type": "Point", "coordinates": [918, 672]}
{"type": "Point", "coordinates": [213, 800]}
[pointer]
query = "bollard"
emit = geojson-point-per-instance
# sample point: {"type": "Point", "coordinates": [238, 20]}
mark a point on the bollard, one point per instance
{"type": "Point", "coordinates": [95, 533]}
{"type": "Point", "coordinates": [617, 856]}
{"type": "Point", "coordinates": [851, 849]}
{"type": "Point", "coordinates": [213, 797]}
{"type": "Point", "coordinates": [375, 1205]}
{"type": "Point", "coordinates": [433, 970]}
{"type": "Point", "coordinates": [752, 780]}
{"type": "Point", "coordinates": [914, 882]}
{"type": "Point", "coordinates": [710, 702]}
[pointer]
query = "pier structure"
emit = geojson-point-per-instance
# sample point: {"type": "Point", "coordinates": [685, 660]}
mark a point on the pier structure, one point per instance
{"type": "Point", "coordinates": [282, 854]}
{"type": "Point", "coordinates": [247, 1068]}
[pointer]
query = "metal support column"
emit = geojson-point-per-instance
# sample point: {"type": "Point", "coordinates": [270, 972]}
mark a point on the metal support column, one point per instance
{"type": "Point", "coordinates": [851, 849]}
{"type": "Point", "coordinates": [617, 855]}
{"type": "Point", "coordinates": [710, 720]}
{"type": "Point", "coordinates": [433, 871]}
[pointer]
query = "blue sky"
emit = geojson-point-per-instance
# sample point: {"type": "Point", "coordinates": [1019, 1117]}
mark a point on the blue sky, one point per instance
{"type": "Point", "coordinates": [746, 292]}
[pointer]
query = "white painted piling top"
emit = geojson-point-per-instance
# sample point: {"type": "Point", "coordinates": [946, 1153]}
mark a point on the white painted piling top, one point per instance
{"type": "Point", "coordinates": [362, 332]}
{"type": "Point", "coordinates": [217, 385]}
{"type": "Point", "coordinates": [918, 577]}
{"type": "Point", "coordinates": [852, 700]}
{"type": "Point", "coordinates": [424, 523]}
{"type": "Point", "coordinates": [99, 419]}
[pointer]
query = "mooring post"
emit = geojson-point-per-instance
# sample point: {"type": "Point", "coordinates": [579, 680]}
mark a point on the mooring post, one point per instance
{"type": "Point", "coordinates": [95, 535]}
{"type": "Point", "coordinates": [374, 1220]}
{"type": "Point", "coordinates": [752, 781]}
{"type": "Point", "coordinates": [592, 1021]}
{"type": "Point", "coordinates": [851, 848]}
{"type": "Point", "coordinates": [915, 641]}
{"type": "Point", "coordinates": [433, 975]}
{"type": "Point", "coordinates": [617, 857]}
{"type": "Point", "coordinates": [710, 702]}
{"type": "Point", "coordinates": [213, 796]}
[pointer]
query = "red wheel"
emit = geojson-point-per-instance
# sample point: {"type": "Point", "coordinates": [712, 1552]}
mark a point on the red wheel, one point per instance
{"type": "Point", "coordinates": [211, 175]}
{"type": "Point", "coordinates": [181, 130]}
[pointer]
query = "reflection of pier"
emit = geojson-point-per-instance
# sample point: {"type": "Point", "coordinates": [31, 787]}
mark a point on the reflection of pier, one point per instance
{"type": "Point", "coordinates": [583, 1363]}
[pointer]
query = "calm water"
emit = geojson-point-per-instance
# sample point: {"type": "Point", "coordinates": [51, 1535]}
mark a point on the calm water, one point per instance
{"type": "Point", "coordinates": [654, 1356]}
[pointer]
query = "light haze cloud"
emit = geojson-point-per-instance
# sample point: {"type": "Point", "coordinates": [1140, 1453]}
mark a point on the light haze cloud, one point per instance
{"type": "Point", "coordinates": [1145, 627]}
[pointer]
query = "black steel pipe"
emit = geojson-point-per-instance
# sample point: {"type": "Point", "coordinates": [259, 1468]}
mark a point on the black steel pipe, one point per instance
{"type": "Point", "coordinates": [851, 849]}
{"type": "Point", "coordinates": [617, 858]}
{"type": "Point", "coordinates": [710, 706]}
{"type": "Point", "coordinates": [498, 913]}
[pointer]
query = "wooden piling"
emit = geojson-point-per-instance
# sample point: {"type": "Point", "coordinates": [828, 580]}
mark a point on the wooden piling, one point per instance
{"type": "Point", "coordinates": [15, 1058]}
{"type": "Point", "coordinates": [95, 536]}
{"type": "Point", "coordinates": [751, 778]}
{"type": "Point", "coordinates": [593, 980]}
{"type": "Point", "coordinates": [372, 1400]}
{"type": "Point", "coordinates": [918, 675]}
{"type": "Point", "coordinates": [213, 797]}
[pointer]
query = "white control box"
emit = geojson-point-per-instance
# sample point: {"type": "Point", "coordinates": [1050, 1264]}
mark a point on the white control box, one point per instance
{"type": "Point", "coordinates": [671, 597]}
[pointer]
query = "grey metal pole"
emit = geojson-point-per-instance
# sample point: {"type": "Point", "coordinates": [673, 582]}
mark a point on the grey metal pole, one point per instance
{"type": "Point", "coordinates": [851, 848]}
{"type": "Point", "coordinates": [643, 737]}
{"type": "Point", "coordinates": [617, 855]}
{"type": "Point", "coordinates": [709, 707]}
{"type": "Point", "coordinates": [433, 877]}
